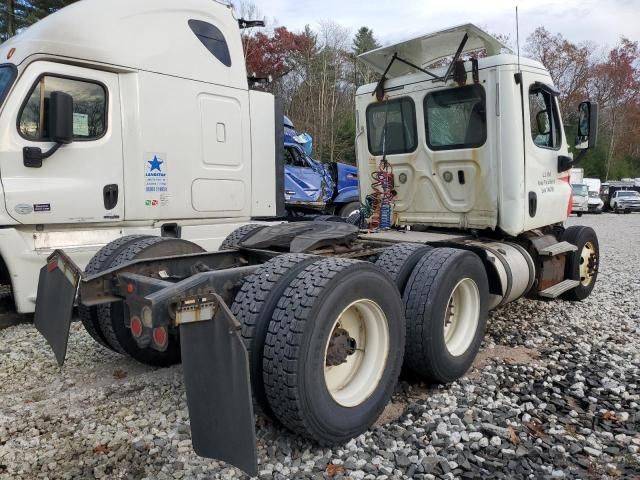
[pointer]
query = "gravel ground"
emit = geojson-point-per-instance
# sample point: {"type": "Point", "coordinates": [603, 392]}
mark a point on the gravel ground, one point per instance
{"type": "Point", "coordinates": [554, 393]}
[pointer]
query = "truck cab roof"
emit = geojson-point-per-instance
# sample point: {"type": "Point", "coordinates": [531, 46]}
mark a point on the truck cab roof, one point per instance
{"type": "Point", "coordinates": [194, 39]}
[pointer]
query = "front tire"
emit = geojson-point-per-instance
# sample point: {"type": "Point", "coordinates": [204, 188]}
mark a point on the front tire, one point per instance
{"type": "Point", "coordinates": [446, 307]}
{"type": "Point", "coordinates": [349, 208]}
{"type": "Point", "coordinates": [582, 265]}
{"type": "Point", "coordinates": [334, 350]}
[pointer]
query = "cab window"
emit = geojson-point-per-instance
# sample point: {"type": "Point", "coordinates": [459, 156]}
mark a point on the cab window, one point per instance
{"type": "Point", "coordinates": [89, 108]}
{"type": "Point", "coordinates": [456, 118]}
{"type": "Point", "coordinates": [294, 158]}
{"type": "Point", "coordinates": [391, 127]}
{"type": "Point", "coordinates": [544, 119]}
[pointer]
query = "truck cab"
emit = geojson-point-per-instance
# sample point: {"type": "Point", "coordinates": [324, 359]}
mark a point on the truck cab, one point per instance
{"type": "Point", "coordinates": [485, 152]}
{"type": "Point", "coordinates": [164, 135]}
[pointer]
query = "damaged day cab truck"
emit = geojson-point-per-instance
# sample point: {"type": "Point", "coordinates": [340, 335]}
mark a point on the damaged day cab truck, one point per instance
{"type": "Point", "coordinates": [309, 321]}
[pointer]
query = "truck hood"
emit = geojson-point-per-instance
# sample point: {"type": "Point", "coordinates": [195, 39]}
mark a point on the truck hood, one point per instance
{"type": "Point", "coordinates": [428, 49]}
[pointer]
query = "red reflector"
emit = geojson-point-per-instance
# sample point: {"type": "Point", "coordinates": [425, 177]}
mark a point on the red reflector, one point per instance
{"type": "Point", "coordinates": [160, 336]}
{"type": "Point", "coordinates": [52, 265]}
{"type": "Point", "coordinates": [130, 288]}
{"type": "Point", "coordinates": [136, 327]}
{"type": "Point", "coordinates": [570, 205]}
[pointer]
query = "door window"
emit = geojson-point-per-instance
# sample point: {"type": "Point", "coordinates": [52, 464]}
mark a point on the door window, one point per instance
{"type": "Point", "coordinates": [456, 118]}
{"type": "Point", "coordinates": [544, 118]}
{"type": "Point", "coordinates": [89, 108]}
{"type": "Point", "coordinates": [391, 127]}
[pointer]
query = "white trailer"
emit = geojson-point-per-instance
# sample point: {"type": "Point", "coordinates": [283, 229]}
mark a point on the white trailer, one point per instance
{"type": "Point", "coordinates": [313, 320]}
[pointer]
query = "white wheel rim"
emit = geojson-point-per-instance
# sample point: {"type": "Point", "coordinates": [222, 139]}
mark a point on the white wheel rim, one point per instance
{"type": "Point", "coordinates": [587, 263]}
{"type": "Point", "coordinates": [355, 210]}
{"type": "Point", "coordinates": [353, 382]}
{"type": "Point", "coordinates": [461, 317]}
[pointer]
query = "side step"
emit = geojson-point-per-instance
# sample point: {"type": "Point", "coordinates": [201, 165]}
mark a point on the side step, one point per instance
{"type": "Point", "coordinates": [557, 249]}
{"type": "Point", "coordinates": [559, 288]}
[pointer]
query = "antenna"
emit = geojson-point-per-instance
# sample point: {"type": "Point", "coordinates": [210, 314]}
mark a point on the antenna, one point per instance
{"type": "Point", "coordinates": [518, 37]}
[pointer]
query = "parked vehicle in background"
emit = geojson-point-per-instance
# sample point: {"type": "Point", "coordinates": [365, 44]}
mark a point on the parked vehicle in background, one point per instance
{"type": "Point", "coordinates": [313, 187]}
{"type": "Point", "coordinates": [626, 201]}
{"type": "Point", "coordinates": [596, 204]}
{"type": "Point", "coordinates": [580, 196]}
{"type": "Point", "coordinates": [576, 175]}
{"type": "Point", "coordinates": [608, 190]}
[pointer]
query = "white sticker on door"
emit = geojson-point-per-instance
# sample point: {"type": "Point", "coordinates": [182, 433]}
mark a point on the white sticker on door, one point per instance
{"type": "Point", "coordinates": [156, 185]}
{"type": "Point", "coordinates": [81, 124]}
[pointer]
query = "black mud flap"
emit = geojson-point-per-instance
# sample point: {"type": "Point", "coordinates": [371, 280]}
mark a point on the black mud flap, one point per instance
{"type": "Point", "coordinates": [57, 288]}
{"type": "Point", "coordinates": [216, 376]}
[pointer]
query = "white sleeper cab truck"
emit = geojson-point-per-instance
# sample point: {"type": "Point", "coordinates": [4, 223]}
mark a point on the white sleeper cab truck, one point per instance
{"type": "Point", "coordinates": [127, 118]}
{"type": "Point", "coordinates": [312, 321]}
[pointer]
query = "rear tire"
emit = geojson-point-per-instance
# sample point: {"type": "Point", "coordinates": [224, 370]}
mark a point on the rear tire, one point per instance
{"type": "Point", "coordinates": [254, 305]}
{"type": "Point", "coordinates": [113, 317]}
{"type": "Point", "coordinates": [399, 260]}
{"type": "Point", "coordinates": [334, 350]}
{"type": "Point", "coordinates": [582, 265]}
{"type": "Point", "coordinates": [99, 262]}
{"type": "Point", "coordinates": [446, 305]}
{"type": "Point", "coordinates": [238, 235]}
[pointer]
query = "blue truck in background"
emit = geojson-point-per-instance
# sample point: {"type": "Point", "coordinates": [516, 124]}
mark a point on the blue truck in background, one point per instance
{"type": "Point", "coordinates": [313, 187]}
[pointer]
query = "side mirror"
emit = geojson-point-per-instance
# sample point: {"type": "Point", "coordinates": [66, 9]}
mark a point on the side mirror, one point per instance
{"type": "Point", "coordinates": [587, 126]}
{"type": "Point", "coordinates": [60, 128]}
{"type": "Point", "coordinates": [61, 117]}
{"type": "Point", "coordinates": [542, 121]}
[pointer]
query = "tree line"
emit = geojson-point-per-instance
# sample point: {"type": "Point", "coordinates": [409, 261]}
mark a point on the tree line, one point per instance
{"type": "Point", "coordinates": [18, 14]}
{"type": "Point", "coordinates": [316, 72]}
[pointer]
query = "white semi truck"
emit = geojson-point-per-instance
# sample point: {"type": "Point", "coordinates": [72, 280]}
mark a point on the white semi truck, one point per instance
{"type": "Point", "coordinates": [310, 321]}
{"type": "Point", "coordinates": [164, 141]}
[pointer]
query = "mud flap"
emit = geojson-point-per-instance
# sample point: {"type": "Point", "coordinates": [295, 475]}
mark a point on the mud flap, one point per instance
{"type": "Point", "coordinates": [216, 376]}
{"type": "Point", "coordinates": [57, 286]}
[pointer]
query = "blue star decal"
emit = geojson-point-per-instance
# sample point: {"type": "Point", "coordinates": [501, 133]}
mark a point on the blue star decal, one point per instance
{"type": "Point", "coordinates": [155, 164]}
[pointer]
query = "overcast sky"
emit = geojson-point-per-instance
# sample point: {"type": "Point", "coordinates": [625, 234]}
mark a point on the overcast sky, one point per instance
{"type": "Point", "coordinates": [602, 21]}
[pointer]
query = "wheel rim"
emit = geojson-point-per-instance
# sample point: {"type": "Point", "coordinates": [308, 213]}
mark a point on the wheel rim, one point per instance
{"type": "Point", "coordinates": [462, 317]}
{"type": "Point", "coordinates": [356, 353]}
{"type": "Point", "coordinates": [588, 260]}
{"type": "Point", "coordinates": [351, 212]}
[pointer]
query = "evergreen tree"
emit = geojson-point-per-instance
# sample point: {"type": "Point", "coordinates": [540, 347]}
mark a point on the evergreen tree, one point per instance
{"type": "Point", "coordinates": [363, 41]}
{"type": "Point", "coordinates": [16, 15]}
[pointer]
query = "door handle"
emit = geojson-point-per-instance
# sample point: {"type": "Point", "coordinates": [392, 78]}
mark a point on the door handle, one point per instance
{"type": "Point", "coordinates": [110, 195]}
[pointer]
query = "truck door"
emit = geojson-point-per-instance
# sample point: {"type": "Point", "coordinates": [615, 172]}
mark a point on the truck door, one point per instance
{"type": "Point", "coordinates": [82, 181]}
{"type": "Point", "coordinates": [547, 191]}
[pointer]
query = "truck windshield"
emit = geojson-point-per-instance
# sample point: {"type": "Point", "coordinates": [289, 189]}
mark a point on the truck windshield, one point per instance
{"type": "Point", "coordinates": [7, 76]}
{"type": "Point", "coordinates": [580, 190]}
{"type": "Point", "coordinates": [629, 194]}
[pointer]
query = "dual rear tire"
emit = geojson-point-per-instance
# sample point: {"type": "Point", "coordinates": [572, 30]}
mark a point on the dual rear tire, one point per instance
{"type": "Point", "coordinates": [325, 356]}
{"type": "Point", "coordinates": [108, 324]}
